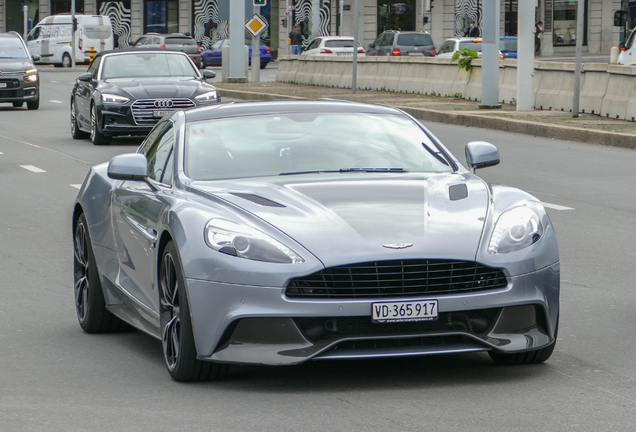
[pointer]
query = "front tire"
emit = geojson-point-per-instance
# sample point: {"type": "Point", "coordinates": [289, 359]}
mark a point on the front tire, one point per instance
{"type": "Point", "coordinates": [33, 105]}
{"type": "Point", "coordinates": [76, 133]}
{"type": "Point", "coordinates": [177, 338]}
{"type": "Point", "coordinates": [97, 137]}
{"type": "Point", "coordinates": [89, 297]}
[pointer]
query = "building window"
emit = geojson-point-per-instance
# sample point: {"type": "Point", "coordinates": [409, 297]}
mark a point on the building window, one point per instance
{"type": "Point", "coordinates": [162, 16]}
{"type": "Point", "coordinates": [396, 15]}
{"type": "Point", "coordinates": [64, 6]}
{"type": "Point", "coordinates": [564, 14]}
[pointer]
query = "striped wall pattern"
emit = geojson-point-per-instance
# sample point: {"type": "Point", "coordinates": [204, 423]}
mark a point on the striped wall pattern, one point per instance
{"type": "Point", "coordinates": [208, 28]}
{"type": "Point", "coordinates": [465, 12]}
{"type": "Point", "coordinates": [303, 15]}
{"type": "Point", "coordinates": [120, 19]}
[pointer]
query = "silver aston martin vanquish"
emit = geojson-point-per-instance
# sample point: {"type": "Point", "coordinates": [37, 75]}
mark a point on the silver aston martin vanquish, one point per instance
{"type": "Point", "coordinates": [281, 232]}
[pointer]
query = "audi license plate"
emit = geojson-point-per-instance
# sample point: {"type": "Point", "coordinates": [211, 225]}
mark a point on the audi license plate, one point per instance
{"type": "Point", "coordinates": [3, 85]}
{"type": "Point", "coordinates": [160, 113]}
{"type": "Point", "coordinates": [420, 310]}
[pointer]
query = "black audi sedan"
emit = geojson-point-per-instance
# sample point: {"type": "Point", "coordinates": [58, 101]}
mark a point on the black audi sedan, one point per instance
{"type": "Point", "coordinates": [126, 92]}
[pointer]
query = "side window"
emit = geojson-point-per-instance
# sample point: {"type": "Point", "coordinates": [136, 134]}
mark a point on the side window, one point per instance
{"type": "Point", "coordinates": [391, 37]}
{"type": "Point", "coordinates": [158, 155]}
{"type": "Point", "coordinates": [140, 42]}
{"type": "Point", "coordinates": [446, 47]}
{"type": "Point", "coordinates": [630, 41]}
{"type": "Point", "coordinates": [315, 44]}
{"type": "Point", "coordinates": [94, 68]}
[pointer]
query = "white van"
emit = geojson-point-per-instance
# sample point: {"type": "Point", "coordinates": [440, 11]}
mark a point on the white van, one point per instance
{"type": "Point", "coordinates": [51, 38]}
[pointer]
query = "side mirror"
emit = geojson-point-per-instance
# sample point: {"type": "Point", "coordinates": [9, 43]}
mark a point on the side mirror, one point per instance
{"type": "Point", "coordinates": [36, 57]}
{"type": "Point", "coordinates": [621, 46]}
{"type": "Point", "coordinates": [131, 166]}
{"type": "Point", "coordinates": [481, 154]}
{"type": "Point", "coordinates": [208, 74]}
{"type": "Point", "coordinates": [86, 77]}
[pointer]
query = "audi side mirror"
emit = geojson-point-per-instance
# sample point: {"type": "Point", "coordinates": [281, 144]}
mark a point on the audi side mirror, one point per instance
{"type": "Point", "coordinates": [86, 77]}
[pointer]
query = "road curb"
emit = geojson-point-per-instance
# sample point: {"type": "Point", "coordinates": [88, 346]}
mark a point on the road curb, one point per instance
{"type": "Point", "coordinates": [568, 133]}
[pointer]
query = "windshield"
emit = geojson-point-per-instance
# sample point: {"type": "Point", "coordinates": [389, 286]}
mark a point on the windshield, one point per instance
{"type": "Point", "coordinates": [508, 45]}
{"type": "Point", "coordinates": [136, 65]}
{"type": "Point", "coordinates": [12, 48]}
{"type": "Point", "coordinates": [414, 39]}
{"type": "Point", "coordinates": [472, 45]}
{"type": "Point", "coordinates": [271, 145]}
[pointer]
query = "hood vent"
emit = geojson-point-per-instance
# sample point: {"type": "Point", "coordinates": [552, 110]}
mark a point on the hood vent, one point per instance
{"type": "Point", "coordinates": [258, 200]}
{"type": "Point", "coordinates": [458, 192]}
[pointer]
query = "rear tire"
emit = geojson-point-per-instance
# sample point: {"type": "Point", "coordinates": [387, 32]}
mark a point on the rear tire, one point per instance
{"type": "Point", "coordinates": [179, 351]}
{"type": "Point", "coordinates": [89, 297]}
{"type": "Point", "coordinates": [97, 137]}
{"type": "Point", "coordinates": [76, 133]}
{"type": "Point", "coordinates": [66, 61]}
{"type": "Point", "coordinates": [33, 105]}
{"type": "Point", "coordinates": [527, 357]}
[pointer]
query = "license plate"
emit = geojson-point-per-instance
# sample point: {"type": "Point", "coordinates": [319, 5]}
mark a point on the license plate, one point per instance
{"type": "Point", "coordinates": [345, 54]}
{"type": "Point", "coordinates": [3, 85]}
{"type": "Point", "coordinates": [416, 53]}
{"type": "Point", "coordinates": [160, 113]}
{"type": "Point", "coordinates": [419, 310]}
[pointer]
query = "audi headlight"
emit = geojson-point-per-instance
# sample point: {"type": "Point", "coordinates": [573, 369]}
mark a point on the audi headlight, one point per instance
{"type": "Point", "coordinates": [247, 242]}
{"type": "Point", "coordinates": [207, 97]}
{"type": "Point", "coordinates": [116, 99]}
{"type": "Point", "coordinates": [516, 229]}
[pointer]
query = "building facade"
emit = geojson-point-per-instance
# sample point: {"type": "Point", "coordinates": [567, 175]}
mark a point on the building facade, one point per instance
{"type": "Point", "coordinates": [207, 20]}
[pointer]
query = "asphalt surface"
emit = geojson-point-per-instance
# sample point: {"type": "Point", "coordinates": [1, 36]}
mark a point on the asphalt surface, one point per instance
{"type": "Point", "coordinates": [54, 377]}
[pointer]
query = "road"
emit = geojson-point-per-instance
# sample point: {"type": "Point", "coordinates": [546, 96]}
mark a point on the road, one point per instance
{"type": "Point", "coordinates": [54, 377]}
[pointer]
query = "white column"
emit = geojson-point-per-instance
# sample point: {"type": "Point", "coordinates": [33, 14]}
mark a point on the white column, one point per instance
{"type": "Point", "coordinates": [237, 40]}
{"type": "Point", "coordinates": [490, 56]}
{"type": "Point", "coordinates": [525, 56]}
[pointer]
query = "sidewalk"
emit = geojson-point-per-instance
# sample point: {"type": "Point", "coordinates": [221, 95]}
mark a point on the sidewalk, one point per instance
{"type": "Point", "coordinates": [551, 124]}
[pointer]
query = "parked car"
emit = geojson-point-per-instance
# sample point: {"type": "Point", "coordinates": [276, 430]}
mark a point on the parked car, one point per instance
{"type": "Point", "coordinates": [19, 78]}
{"type": "Point", "coordinates": [126, 92]}
{"type": "Point", "coordinates": [332, 46]}
{"type": "Point", "coordinates": [452, 45]}
{"type": "Point", "coordinates": [402, 43]}
{"type": "Point", "coordinates": [287, 231]}
{"type": "Point", "coordinates": [508, 46]}
{"type": "Point", "coordinates": [173, 42]}
{"type": "Point", "coordinates": [51, 38]}
{"type": "Point", "coordinates": [212, 55]}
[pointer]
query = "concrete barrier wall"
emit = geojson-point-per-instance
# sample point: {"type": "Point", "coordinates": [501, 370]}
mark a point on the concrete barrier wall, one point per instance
{"type": "Point", "coordinates": [607, 90]}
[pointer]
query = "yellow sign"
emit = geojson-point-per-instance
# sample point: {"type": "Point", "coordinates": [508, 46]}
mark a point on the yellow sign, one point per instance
{"type": "Point", "coordinates": [256, 25]}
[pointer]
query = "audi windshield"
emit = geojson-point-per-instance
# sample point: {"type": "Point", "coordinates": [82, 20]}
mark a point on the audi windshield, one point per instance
{"type": "Point", "coordinates": [148, 64]}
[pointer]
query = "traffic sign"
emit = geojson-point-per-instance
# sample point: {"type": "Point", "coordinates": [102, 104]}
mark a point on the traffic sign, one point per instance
{"type": "Point", "coordinates": [260, 3]}
{"type": "Point", "coordinates": [256, 25]}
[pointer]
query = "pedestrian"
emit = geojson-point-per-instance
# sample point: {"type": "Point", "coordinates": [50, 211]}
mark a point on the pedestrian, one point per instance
{"type": "Point", "coordinates": [473, 31]}
{"type": "Point", "coordinates": [296, 40]}
{"type": "Point", "coordinates": [538, 35]}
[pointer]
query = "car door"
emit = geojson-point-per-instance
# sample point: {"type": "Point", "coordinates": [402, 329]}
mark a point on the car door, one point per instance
{"type": "Point", "coordinates": [386, 45]}
{"type": "Point", "coordinates": [34, 43]}
{"type": "Point", "coordinates": [137, 211]}
{"type": "Point", "coordinates": [83, 93]}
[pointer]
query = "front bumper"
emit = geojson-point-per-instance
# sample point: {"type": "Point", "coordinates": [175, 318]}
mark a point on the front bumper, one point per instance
{"type": "Point", "coordinates": [260, 325]}
{"type": "Point", "coordinates": [23, 94]}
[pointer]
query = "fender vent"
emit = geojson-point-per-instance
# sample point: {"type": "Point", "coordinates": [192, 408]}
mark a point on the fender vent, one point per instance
{"type": "Point", "coordinates": [258, 200]}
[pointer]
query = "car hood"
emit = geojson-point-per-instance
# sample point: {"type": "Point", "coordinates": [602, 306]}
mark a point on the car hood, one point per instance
{"type": "Point", "coordinates": [15, 65]}
{"type": "Point", "coordinates": [354, 219]}
{"type": "Point", "coordinates": [155, 87]}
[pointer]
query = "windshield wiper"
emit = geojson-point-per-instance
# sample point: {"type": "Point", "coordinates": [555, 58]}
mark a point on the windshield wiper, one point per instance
{"type": "Point", "coordinates": [347, 170]}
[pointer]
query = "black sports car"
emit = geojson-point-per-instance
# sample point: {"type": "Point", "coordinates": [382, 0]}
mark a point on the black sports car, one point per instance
{"type": "Point", "coordinates": [126, 92]}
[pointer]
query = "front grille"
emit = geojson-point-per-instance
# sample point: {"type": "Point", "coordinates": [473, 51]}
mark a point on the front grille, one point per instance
{"type": "Point", "coordinates": [10, 82]}
{"type": "Point", "coordinates": [397, 279]}
{"type": "Point", "coordinates": [143, 109]}
{"type": "Point", "coordinates": [333, 328]}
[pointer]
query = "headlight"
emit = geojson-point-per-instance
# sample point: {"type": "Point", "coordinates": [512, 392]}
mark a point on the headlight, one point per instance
{"type": "Point", "coordinates": [31, 71]}
{"type": "Point", "coordinates": [111, 98]}
{"type": "Point", "coordinates": [246, 242]}
{"type": "Point", "coordinates": [516, 229]}
{"type": "Point", "coordinates": [31, 78]}
{"type": "Point", "coordinates": [207, 97]}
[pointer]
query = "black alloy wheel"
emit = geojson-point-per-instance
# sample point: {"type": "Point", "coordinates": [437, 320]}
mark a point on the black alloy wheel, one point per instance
{"type": "Point", "coordinates": [177, 338]}
{"type": "Point", "coordinates": [89, 298]}
{"type": "Point", "coordinates": [96, 137]}
{"type": "Point", "coordinates": [76, 133]}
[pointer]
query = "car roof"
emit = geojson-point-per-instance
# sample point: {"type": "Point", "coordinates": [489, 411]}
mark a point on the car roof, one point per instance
{"type": "Point", "coordinates": [234, 109]}
{"type": "Point", "coordinates": [507, 37]}
{"type": "Point", "coordinates": [137, 50]}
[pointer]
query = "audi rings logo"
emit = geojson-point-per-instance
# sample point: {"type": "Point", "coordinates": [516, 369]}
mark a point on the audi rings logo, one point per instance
{"type": "Point", "coordinates": [163, 103]}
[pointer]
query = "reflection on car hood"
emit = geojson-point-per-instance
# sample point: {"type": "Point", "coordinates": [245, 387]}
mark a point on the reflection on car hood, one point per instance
{"type": "Point", "coordinates": [349, 218]}
{"type": "Point", "coordinates": [150, 88]}
{"type": "Point", "coordinates": [15, 64]}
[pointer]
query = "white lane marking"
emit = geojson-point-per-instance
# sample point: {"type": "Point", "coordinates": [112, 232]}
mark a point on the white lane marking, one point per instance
{"type": "Point", "coordinates": [555, 206]}
{"type": "Point", "coordinates": [32, 168]}
{"type": "Point", "coordinates": [76, 186]}
{"type": "Point", "coordinates": [1, 153]}
{"type": "Point", "coordinates": [55, 101]}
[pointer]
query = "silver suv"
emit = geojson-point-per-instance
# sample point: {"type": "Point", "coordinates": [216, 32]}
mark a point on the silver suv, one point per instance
{"type": "Point", "coordinates": [19, 78]}
{"type": "Point", "coordinates": [402, 43]}
{"type": "Point", "coordinates": [174, 42]}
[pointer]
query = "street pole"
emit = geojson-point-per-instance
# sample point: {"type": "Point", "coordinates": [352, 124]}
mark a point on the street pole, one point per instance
{"type": "Point", "coordinates": [577, 68]}
{"type": "Point", "coordinates": [73, 41]}
{"type": "Point", "coordinates": [354, 72]}
{"type": "Point", "coordinates": [25, 10]}
{"type": "Point", "coordinates": [237, 42]}
{"type": "Point", "coordinates": [315, 19]}
{"type": "Point", "coordinates": [341, 17]}
{"type": "Point", "coordinates": [256, 52]}
{"type": "Point", "coordinates": [490, 56]}
{"type": "Point", "coordinates": [422, 15]}
{"type": "Point", "coordinates": [288, 19]}
{"type": "Point", "coordinates": [525, 56]}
